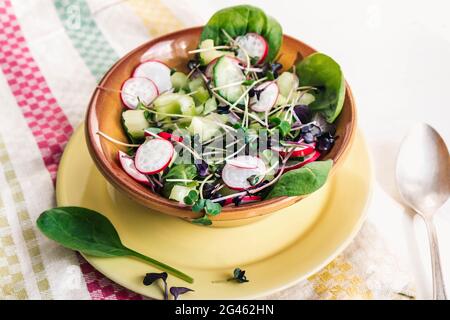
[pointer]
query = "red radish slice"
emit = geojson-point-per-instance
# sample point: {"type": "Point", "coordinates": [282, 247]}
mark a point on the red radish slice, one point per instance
{"type": "Point", "coordinates": [310, 158]}
{"type": "Point", "coordinates": [249, 199]}
{"type": "Point", "coordinates": [169, 136]}
{"type": "Point", "coordinates": [236, 178]}
{"type": "Point", "coordinates": [254, 45]}
{"type": "Point", "coordinates": [245, 199]}
{"type": "Point", "coordinates": [138, 89]}
{"type": "Point", "coordinates": [300, 151]}
{"type": "Point", "coordinates": [127, 164]}
{"type": "Point", "coordinates": [267, 98]}
{"type": "Point", "coordinates": [156, 71]}
{"type": "Point", "coordinates": [153, 156]}
{"type": "Point", "coordinates": [209, 69]}
{"type": "Point", "coordinates": [164, 135]}
{"type": "Point", "coordinates": [245, 162]}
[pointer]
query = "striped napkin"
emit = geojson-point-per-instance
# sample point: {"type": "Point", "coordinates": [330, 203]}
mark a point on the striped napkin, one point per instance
{"type": "Point", "coordinates": [52, 54]}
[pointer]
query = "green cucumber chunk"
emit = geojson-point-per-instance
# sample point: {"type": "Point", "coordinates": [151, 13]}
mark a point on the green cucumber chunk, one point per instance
{"type": "Point", "coordinates": [287, 82]}
{"type": "Point", "coordinates": [198, 91]}
{"type": "Point", "coordinates": [226, 72]}
{"type": "Point", "coordinates": [134, 123]}
{"type": "Point", "coordinates": [173, 103]}
{"type": "Point", "coordinates": [179, 80]}
{"type": "Point", "coordinates": [206, 127]}
{"type": "Point", "coordinates": [208, 56]}
{"type": "Point", "coordinates": [178, 193]}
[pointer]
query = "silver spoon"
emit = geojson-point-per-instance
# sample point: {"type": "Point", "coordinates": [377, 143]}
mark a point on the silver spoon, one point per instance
{"type": "Point", "coordinates": [423, 179]}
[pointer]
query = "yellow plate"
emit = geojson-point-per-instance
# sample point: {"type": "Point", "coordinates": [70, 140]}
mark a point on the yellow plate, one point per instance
{"type": "Point", "coordinates": [276, 251]}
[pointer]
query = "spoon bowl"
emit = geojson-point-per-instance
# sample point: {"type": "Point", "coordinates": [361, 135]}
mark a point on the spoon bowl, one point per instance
{"type": "Point", "coordinates": [423, 170]}
{"type": "Point", "coordinates": [423, 180]}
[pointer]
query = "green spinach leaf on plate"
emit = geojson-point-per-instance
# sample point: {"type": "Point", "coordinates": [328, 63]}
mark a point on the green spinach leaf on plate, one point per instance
{"type": "Point", "coordinates": [90, 232]}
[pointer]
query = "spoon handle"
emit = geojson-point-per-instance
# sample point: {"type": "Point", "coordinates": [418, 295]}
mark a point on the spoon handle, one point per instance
{"type": "Point", "coordinates": [438, 279]}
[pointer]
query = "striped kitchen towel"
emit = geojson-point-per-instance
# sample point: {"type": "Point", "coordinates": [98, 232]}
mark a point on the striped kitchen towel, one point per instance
{"type": "Point", "coordinates": [52, 54]}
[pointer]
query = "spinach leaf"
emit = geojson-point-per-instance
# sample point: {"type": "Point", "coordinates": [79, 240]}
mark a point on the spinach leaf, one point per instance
{"type": "Point", "coordinates": [321, 71]}
{"type": "Point", "coordinates": [179, 171]}
{"type": "Point", "coordinates": [91, 233]}
{"type": "Point", "coordinates": [240, 20]}
{"type": "Point", "coordinates": [302, 181]}
{"type": "Point", "coordinates": [273, 33]}
{"type": "Point", "coordinates": [182, 171]}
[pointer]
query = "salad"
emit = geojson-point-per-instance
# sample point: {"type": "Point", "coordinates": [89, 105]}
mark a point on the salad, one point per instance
{"type": "Point", "coordinates": [239, 127]}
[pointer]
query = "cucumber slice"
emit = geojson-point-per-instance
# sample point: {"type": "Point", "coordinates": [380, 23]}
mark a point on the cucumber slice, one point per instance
{"type": "Point", "coordinates": [206, 127]}
{"type": "Point", "coordinates": [134, 123]}
{"type": "Point", "coordinates": [196, 83]}
{"type": "Point", "coordinates": [210, 106]}
{"type": "Point", "coordinates": [179, 80]}
{"type": "Point", "coordinates": [208, 56]}
{"type": "Point", "coordinates": [306, 98]}
{"type": "Point", "coordinates": [201, 95]}
{"type": "Point", "coordinates": [178, 193]}
{"type": "Point", "coordinates": [226, 71]}
{"type": "Point", "coordinates": [199, 91]}
{"type": "Point", "coordinates": [281, 100]}
{"type": "Point", "coordinates": [174, 103]}
{"type": "Point", "coordinates": [286, 82]}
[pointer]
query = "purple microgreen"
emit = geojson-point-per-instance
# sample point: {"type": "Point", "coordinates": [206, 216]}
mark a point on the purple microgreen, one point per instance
{"type": "Point", "coordinates": [325, 142]}
{"type": "Point", "coordinates": [150, 278]}
{"type": "Point", "coordinates": [177, 291]}
{"type": "Point", "coordinates": [303, 113]}
{"type": "Point", "coordinates": [238, 276]}
{"type": "Point", "coordinates": [202, 168]}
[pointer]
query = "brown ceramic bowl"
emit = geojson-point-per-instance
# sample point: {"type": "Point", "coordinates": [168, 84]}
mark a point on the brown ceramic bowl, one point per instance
{"type": "Point", "coordinates": [105, 109]}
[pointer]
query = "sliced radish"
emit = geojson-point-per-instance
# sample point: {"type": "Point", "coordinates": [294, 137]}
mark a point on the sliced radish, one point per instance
{"type": "Point", "coordinates": [236, 177]}
{"type": "Point", "coordinates": [156, 71]}
{"type": "Point", "coordinates": [248, 199]}
{"type": "Point", "coordinates": [300, 151]}
{"type": "Point", "coordinates": [163, 135]}
{"type": "Point", "coordinates": [138, 89]}
{"type": "Point", "coordinates": [244, 200]}
{"type": "Point", "coordinates": [127, 164]}
{"type": "Point", "coordinates": [254, 45]}
{"type": "Point", "coordinates": [209, 69]}
{"type": "Point", "coordinates": [170, 136]}
{"type": "Point", "coordinates": [291, 165]}
{"type": "Point", "coordinates": [266, 99]}
{"type": "Point", "coordinates": [245, 162]}
{"type": "Point", "coordinates": [153, 156]}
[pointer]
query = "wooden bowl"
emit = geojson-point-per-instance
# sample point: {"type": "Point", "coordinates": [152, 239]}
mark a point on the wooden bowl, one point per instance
{"type": "Point", "coordinates": [104, 114]}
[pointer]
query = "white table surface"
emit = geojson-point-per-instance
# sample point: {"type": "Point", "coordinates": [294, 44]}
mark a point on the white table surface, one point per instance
{"type": "Point", "coordinates": [396, 57]}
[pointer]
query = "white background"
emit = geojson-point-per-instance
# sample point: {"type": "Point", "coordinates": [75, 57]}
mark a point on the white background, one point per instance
{"type": "Point", "coordinates": [396, 57]}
